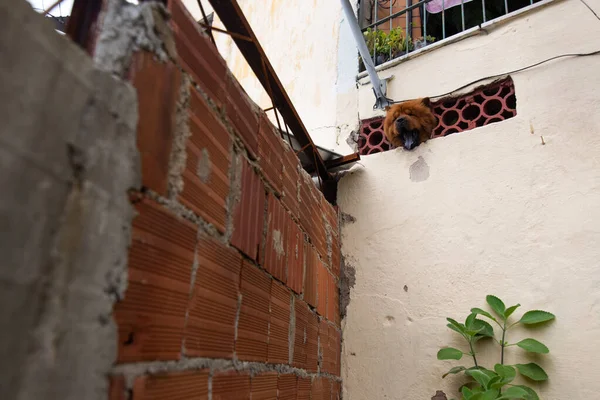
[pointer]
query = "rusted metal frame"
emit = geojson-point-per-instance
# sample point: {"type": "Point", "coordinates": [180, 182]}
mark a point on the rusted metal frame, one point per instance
{"type": "Point", "coordinates": [287, 132]}
{"type": "Point", "coordinates": [212, 38]}
{"type": "Point", "coordinates": [232, 34]}
{"type": "Point", "coordinates": [81, 23]}
{"type": "Point", "coordinates": [303, 148]}
{"type": "Point", "coordinates": [318, 176]}
{"type": "Point", "coordinates": [232, 17]}
{"type": "Point", "coordinates": [270, 93]}
{"type": "Point", "coordinates": [341, 161]}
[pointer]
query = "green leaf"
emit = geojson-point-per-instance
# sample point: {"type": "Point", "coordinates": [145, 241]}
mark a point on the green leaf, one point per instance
{"type": "Point", "coordinates": [449, 353]}
{"type": "Point", "coordinates": [484, 328]}
{"type": "Point", "coordinates": [480, 377]}
{"type": "Point", "coordinates": [533, 346]}
{"type": "Point", "coordinates": [469, 321]}
{"type": "Point", "coordinates": [484, 313]}
{"type": "Point", "coordinates": [455, 329]}
{"type": "Point", "coordinates": [496, 304]}
{"type": "Point", "coordinates": [457, 326]}
{"type": "Point", "coordinates": [510, 310]}
{"type": "Point", "coordinates": [477, 389]}
{"type": "Point", "coordinates": [505, 371]}
{"type": "Point", "coordinates": [466, 392]}
{"type": "Point", "coordinates": [532, 371]}
{"type": "Point", "coordinates": [454, 371]}
{"type": "Point", "coordinates": [531, 394]}
{"type": "Point", "coordinates": [495, 383]}
{"type": "Point", "coordinates": [491, 394]}
{"type": "Point", "coordinates": [513, 392]}
{"type": "Point", "coordinates": [486, 371]}
{"type": "Point", "coordinates": [536, 317]}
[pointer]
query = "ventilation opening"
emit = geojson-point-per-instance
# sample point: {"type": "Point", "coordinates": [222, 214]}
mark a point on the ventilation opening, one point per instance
{"type": "Point", "coordinates": [485, 105]}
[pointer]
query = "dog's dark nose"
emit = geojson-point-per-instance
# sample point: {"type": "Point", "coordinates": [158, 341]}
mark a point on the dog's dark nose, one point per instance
{"type": "Point", "coordinates": [400, 121]}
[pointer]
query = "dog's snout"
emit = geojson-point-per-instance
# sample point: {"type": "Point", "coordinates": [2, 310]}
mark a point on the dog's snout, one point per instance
{"type": "Point", "coordinates": [400, 121]}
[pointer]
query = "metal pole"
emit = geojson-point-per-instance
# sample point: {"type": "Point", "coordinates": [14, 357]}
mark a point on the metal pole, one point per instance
{"type": "Point", "coordinates": [381, 102]}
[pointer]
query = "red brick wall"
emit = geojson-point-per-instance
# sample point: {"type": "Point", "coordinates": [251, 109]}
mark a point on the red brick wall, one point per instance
{"type": "Point", "coordinates": [234, 262]}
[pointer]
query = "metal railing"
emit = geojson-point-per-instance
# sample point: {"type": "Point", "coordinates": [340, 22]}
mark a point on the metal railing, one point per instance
{"type": "Point", "coordinates": [394, 28]}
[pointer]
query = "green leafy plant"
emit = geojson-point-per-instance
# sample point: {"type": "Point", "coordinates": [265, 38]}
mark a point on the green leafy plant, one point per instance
{"type": "Point", "coordinates": [392, 43]}
{"type": "Point", "coordinates": [496, 384]}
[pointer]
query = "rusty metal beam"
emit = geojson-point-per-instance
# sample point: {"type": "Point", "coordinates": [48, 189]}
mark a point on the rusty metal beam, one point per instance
{"type": "Point", "coordinates": [232, 17]}
{"type": "Point", "coordinates": [82, 23]}
{"type": "Point", "coordinates": [339, 162]}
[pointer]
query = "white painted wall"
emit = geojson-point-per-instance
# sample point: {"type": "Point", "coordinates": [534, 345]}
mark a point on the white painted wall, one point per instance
{"type": "Point", "coordinates": [488, 211]}
{"type": "Point", "coordinates": [313, 52]}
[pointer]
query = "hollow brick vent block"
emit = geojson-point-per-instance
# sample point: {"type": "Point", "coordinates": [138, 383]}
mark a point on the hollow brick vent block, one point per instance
{"type": "Point", "coordinates": [483, 106]}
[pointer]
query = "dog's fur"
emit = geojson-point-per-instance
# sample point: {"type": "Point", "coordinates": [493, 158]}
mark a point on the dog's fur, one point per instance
{"type": "Point", "coordinates": [410, 123]}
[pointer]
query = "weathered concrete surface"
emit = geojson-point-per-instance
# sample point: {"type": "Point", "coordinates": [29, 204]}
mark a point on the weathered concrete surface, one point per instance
{"type": "Point", "coordinates": [68, 157]}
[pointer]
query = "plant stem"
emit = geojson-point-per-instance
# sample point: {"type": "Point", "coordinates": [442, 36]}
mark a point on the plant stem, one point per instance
{"type": "Point", "coordinates": [473, 353]}
{"type": "Point", "coordinates": [503, 344]}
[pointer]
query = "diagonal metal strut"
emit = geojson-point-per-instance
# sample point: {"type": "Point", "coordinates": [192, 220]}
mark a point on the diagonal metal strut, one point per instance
{"type": "Point", "coordinates": [231, 16]}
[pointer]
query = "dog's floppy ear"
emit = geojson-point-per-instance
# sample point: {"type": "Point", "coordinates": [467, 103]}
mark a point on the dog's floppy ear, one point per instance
{"type": "Point", "coordinates": [426, 102]}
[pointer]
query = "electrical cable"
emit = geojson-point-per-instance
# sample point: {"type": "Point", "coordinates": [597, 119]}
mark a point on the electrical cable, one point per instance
{"type": "Point", "coordinates": [593, 53]}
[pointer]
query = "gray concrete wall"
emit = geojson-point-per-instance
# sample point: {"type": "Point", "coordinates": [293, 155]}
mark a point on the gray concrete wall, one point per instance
{"type": "Point", "coordinates": [68, 158]}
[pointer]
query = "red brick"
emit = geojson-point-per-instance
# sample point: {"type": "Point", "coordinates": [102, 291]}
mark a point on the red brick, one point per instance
{"type": "Point", "coordinates": [242, 113]}
{"type": "Point", "coordinates": [249, 213]}
{"type": "Point", "coordinates": [336, 257]}
{"type": "Point", "coordinates": [116, 388]}
{"type": "Point", "coordinates": [197, 55]}
{"type": "Point", "coordinates": [270, 151]}
{"type": "Point", "coordinates": [157, 85]}
{"type": "Point", "coordinates": [279, 324]}
{"type": "Point", "coordinates": [325, 364]}
{"type": "Point", "coordinates": [287, 386]}
{"type": "Point", "coordinates": [311, 217]}
{"type": "Point", "coordinates": [333, 302]}
{"type": "Point", "coordinates": [323, 289]}
{"type": "Point", "coordinates": [330, 348]}
{"type": "Point", "coordinates": [264, 387]}
{"type": "Point", "coordinates": [318, 235]}
{"type": "Point", "coordinates": [210, 329]}
{"type": "Point", "coordinates": [332, 297]}
{"type": "Point", "coordinates": [172, 386]}
{"type": "Point", "coordinates": [312, 343]}
{"type": "Point", "coordinates": [295, 257]}
{"type": "Point", "coordinates": [290, 178]}
{"type": "Point", "coordinates": [336, 390]}
{"type": "Point", "coordinates": [306, 203]}
{"type": "Point", "coordinates": [230, 386]}
{"type": "Point", "coordinates": [330, 215]}
{"type": "Point", "coordinates": [336, 315]}
{"type": "Point", "coordinates": [151, 317]}
{"type": "Point", "coordinates": [301, 321]}
{"type": "Point", "coordinates": [276, 240]}
{"type": "Point", "coordinates": [206, 175]}
{"type": "Point", "coordinates": [304, 388]}
{"type": "Point", "coordinates": [335, 345]}
{"type": "Point", "coordinates": [321, 389]}
{"type": "Point", "coordinates": [253, 325]}
{"type": "Point", "coordinates": [311, 279]}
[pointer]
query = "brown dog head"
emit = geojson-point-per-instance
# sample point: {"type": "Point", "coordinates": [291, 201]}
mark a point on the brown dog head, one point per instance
{"type": "Point", "coordinates": [410, 123]}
